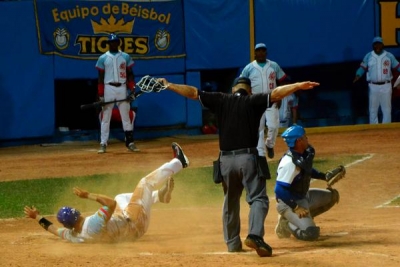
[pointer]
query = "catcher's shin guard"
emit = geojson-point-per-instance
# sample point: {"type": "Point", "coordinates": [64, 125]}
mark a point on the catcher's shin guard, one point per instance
{"type": "Point", "coordinates": [128, 138]}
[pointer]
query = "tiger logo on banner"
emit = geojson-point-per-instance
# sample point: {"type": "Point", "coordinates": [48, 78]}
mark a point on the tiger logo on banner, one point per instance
{"type": "Point", "coordinates": [79, 29]}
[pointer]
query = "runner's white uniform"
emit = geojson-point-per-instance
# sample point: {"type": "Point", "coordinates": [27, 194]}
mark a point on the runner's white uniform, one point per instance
{"type": "Point", "coordinates": [131, 218]}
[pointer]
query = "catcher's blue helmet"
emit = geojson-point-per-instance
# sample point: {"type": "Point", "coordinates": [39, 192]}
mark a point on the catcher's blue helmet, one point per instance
{"type": "Point", "coordinates": [291, 134]}
{"type": "Point", "coordinates": [113, 37]}
{"type": "Point", "coordinates": [68, 216]}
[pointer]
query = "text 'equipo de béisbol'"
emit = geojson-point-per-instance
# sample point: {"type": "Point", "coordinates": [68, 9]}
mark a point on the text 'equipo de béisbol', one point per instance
{"type": "Point", "coordinates": [124, 9]}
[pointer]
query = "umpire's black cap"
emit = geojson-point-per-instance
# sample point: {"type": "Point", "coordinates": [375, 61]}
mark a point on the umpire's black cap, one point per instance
{"type": "Point", "coordinates": [241, 80]}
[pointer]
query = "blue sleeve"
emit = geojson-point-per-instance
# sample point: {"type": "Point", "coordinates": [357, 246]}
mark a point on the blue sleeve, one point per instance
{"type": "Point", "coordinates": [100, 63]}
{"type": "Point", "coordinates": [360, 71]}
{"type": "Point", "coordinates": [280, 74]}
{"type": "Point", "coordinates": [129, 61]}
{"type": "Point", "coordinates": [363, 66]}
{"type": "Point", "coordinates": [282, 192]}
{"type": "Point", "coordinates": [245, 72]}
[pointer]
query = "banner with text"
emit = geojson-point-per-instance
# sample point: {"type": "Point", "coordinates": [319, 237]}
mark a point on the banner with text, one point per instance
{"type": "Point", "coordinates": [80, 29]}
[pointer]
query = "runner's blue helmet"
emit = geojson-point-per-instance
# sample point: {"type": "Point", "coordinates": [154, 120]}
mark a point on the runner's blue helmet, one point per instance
{"type": "Point", "coordinates": [291, 134]}
{"type": "Point", "coordinates": [68, 216]}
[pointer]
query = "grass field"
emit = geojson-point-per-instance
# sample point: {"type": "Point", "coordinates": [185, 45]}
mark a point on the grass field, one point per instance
{"type": "Point", "coordinates": [194, 187]}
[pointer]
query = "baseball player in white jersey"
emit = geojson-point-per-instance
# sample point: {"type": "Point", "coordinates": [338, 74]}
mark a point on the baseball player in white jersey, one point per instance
{"type": "Point", "coordinates": [115, 77]}
{"type": "Point", "coordinates": [126, 217]}
{"type": "Point", "coordinates": [378, 64]}
{"type": "Point", "coordinates": [264, 74]}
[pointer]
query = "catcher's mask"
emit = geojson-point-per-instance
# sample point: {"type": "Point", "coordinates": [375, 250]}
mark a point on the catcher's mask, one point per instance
{"type": "Point", "coordinates": [68, 216]}
{"type": "Point", "coordinates": [291, 134]}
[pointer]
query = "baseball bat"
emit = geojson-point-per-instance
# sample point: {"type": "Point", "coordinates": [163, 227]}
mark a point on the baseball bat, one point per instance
{"type": "Point", "coordinates": [100, 103]}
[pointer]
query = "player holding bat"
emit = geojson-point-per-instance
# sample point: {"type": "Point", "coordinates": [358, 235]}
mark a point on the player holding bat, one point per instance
{"type": "Point", "coordinates": [115, 78]}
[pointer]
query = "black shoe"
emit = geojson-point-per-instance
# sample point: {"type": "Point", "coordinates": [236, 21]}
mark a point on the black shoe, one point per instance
{"type": "Point", "coordinates": [238, 249]}
{"type": "Point", "coordinates": [102, 149]}
{"type": "Point", "coordinates": [133, 148]}
{"type": "Point", "coordinates": [178, 153]}
{"type": "Point", "coordinates": [257, 243]}
{"type": "Point", "coordinates": [271, 152]}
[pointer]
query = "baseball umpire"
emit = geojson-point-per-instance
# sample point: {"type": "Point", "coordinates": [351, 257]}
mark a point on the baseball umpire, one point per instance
{"type": "Point", "coordinates": [239, 117]}
{"type": "Point", "coordinates": [297, 203]}
{"type": "Point", "coordinates": [126, 217]}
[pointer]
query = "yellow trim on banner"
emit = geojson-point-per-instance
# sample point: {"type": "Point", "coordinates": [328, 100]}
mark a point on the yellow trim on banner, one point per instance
{"type": "Point", "coordinates": [252, 34]}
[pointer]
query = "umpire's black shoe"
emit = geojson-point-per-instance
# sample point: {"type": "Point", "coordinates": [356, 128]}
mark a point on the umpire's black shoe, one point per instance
{"type": "Point", "coordinates": [178, 153]}
{"type": "Point", "coordinates": [237, 249]}
{"type": "Point", "coordinates": [256, 242]}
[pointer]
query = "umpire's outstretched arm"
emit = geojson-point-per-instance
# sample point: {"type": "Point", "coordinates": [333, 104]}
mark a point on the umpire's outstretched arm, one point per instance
{"type": "Point", "coordinates": [277, 94]}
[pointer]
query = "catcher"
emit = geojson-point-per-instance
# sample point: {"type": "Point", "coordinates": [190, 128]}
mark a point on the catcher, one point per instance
{"type": "Point", "coordinates": [126, 217]}
{"type": "Point", "coordinates": [297, 203]}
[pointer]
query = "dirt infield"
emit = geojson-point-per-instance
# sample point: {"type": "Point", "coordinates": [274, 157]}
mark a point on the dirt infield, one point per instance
{"type": "Point", "coordinates": [360, 231]}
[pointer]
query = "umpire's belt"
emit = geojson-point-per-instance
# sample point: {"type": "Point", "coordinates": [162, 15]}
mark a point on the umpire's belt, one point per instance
{"type": "Point", "coordinates": [116, 84]}
{"type": "Point", "coordinates": [251, 150]}
{"type": "Point", "coordinates": [380, 83]}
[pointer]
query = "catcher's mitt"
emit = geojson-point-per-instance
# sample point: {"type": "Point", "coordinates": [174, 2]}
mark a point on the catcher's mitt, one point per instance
{"type": "Point", "coordinates": [150, 84]}
{"type": "Point", "coordinates": [334, 175]}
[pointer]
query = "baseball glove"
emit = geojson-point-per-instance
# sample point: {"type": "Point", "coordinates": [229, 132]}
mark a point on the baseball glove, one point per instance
{"type": "Point", "coordinates": [150, 84]}
{"type": "Point", "coordinates": [334, 175]}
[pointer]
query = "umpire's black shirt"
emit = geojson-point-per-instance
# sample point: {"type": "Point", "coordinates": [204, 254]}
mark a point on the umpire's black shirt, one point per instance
{"type": "Point", "coordinates": [238, 117]}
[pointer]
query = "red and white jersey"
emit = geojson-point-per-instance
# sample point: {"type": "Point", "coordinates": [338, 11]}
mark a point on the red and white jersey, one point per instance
{"type": "Point", "coordinates": [263, 76]}
{"type": "Point", "coordinates": [114, 66]}
{"type": "Point", "coordinates": [379, 67]}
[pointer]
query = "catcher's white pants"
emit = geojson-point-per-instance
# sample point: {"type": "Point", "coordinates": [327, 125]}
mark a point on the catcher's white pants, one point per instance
{"type": "Point", "coordinates": [380, 95]}
{"type": "Point", "coordinates": [270, 118]}
{"type": "Point", "coordinates": [137, 205]}
{"type": "Point", "coordinates": [114, 93]}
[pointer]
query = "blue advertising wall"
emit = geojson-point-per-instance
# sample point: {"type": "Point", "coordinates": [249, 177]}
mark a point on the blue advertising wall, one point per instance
{"type": "Point", "coordinates": [26, 77]}
{"type": "Point", "coordinates": [213, 35]}
{"type": "Point", "coordinates": [217, 34]}
{"type": "Point", "coordinates": [302, 33]}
